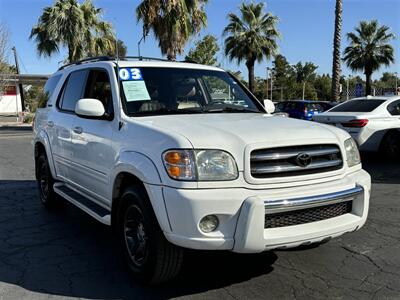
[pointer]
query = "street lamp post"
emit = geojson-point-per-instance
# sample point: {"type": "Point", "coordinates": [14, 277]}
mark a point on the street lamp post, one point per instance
{"type": "Point", "coordinates": [395, 74]}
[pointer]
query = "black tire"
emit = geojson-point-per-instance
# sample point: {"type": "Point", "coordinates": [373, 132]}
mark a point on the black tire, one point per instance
{"type": "Point", "coordinates": [149, 256]}
{"type": "Point", "coordinates": [390, 145]}
{"type": "Point", "coordinates": [45, 182]}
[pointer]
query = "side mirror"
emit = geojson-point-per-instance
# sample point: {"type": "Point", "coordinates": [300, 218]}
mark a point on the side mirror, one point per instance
{"type": "Point", "coordinates": [269, 106]}
{"type": "Point", "coordinates": [89, 108]}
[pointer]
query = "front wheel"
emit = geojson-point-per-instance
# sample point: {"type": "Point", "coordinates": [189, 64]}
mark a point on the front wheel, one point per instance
{"type": "Point", "coordinates": [150, 257]}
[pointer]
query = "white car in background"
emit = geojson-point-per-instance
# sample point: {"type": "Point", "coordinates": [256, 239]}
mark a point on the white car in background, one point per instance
{"type": "Point", "coordinates": [373, 122]}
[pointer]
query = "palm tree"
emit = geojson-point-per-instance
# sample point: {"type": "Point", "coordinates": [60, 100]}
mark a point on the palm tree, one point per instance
{"type": "Point", "coordinates": [173, 22]}
{"type": "Point", "coordinates": [336, 51]}
{"type": "Point", "coordinates": [251, 37]}
{"type": "Point", "coordinates": [78, 27]}
{"type": "Point", "coordinates": [369, 49]}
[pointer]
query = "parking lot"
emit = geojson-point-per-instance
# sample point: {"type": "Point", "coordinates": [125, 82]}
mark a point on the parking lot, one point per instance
{"type": "Point", "coordinates": [66, 254]}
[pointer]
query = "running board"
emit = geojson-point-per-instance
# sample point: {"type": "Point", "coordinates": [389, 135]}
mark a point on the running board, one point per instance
{"type": "Point", "coordinates": [86, 204]}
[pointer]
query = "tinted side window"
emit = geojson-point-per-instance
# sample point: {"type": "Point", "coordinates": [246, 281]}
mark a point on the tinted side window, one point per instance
{"type": "Point", "coordinates": [281, 106]}
{"type": "Point", "coordinates": [394, 108]}
{"type": "Point", "coordinates": [99, 87]}
{"type": "Point", "coordinates": [73, 90]}
{"type": "Point", "coordinates": [367, 105]}
{"type": "Point", "coordinates": [314, 107]}
{"type": "Point", "coordinates": [48, 90]}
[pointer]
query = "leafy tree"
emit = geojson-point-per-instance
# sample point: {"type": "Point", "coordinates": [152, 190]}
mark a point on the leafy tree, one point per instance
{"type": "Point", "coordinates": [76, 26]}
{"type": "Point", "coordinates": [284, 78]}
{"type": "Point", "coordinates": [251, 36]}
{"type": "Point", "coordinates": [336, 51]}
{"type": "Point", "coordinates": [322, 86]}
{"type": "Point", "coordinates": [4, 47]}
{"type": "Point", "coordinates": [173, 22]}
{"type": "Point", "coordinates": [305, 72]}
{"type": "Point", "coordinates": [122, 49]}
{"type": "Point", "coordinates": [369, 49]}
{"type": "Point", "coordinates": [205, 51]}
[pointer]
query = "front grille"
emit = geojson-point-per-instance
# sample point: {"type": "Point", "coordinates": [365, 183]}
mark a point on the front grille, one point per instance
{"type": "Point", "coordinates": [307, 215]}
{"type": "Point", "coordinates": [295, 160]}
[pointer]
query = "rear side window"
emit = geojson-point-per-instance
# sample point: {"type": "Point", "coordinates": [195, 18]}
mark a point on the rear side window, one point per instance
{"type": "Point", "coordinates": [281, 106]}
{"type": "Point", "coordinates": [367, 105]}
{"type": "Point", "coordinates": [48, 90]}
{"type": "Point", "coordinates": [73, 90]}
{"type": "Point", "coordinates": [394, 108]}
{"type": "Point", "coordinates": [314, 107]}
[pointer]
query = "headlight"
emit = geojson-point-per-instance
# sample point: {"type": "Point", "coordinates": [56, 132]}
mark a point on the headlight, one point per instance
{"type": "Point", "coordinates": [352, 153]}
{"type": "Point", "coordinates": [200, 165]}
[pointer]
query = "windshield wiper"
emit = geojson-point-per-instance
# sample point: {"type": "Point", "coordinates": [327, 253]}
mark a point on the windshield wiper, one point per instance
{"type": "Point", "coordinates": [166, 111]}
{"type": "Point", "coordinates": [217, 109]}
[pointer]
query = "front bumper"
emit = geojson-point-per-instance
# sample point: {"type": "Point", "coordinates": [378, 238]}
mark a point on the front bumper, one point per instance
{"type": "Point", "coordinates": [242, 214]}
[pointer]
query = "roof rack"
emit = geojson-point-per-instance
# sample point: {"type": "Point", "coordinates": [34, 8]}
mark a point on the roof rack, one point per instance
{"type": "Point", "coordinates": [89, 59]}
{"type": "Point", "coordinates": [111, 58]}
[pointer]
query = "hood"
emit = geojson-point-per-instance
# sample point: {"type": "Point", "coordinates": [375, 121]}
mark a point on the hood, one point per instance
{"type": "Point", "coordinates": [232, 132]}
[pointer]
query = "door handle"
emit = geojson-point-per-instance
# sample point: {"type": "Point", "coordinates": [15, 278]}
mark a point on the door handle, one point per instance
{"type": "Point", "coordinates": [50, 123]}
{"type": "Point", "coordinates": [77, 130]}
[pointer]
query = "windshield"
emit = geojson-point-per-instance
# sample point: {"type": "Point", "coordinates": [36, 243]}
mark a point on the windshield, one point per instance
{"type": "Point", "coordinates": [366, 105]}
{"type": "Point", "coordinates": [156, 91]}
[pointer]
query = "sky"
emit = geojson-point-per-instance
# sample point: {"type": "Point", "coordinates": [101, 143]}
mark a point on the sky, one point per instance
{"type": "Point", "coordinates": [306, 27]}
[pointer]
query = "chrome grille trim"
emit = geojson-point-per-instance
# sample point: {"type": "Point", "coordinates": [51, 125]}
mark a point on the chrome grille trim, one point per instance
{"type": "Point", "coordinates": [291, 168]}
{"type": "Point", "coordinates": [270, 155]}
{"type": "Point", "coordinates": [284, 161]}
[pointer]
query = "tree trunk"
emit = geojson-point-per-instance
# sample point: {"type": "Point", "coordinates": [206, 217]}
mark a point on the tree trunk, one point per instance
{"type": "Point", "coordinates": [250, 68]}
{"type": "Point", "coordinates": [336, 52]}
{"type": "Point", "coordinates": [70, 55]}
{"type": "Point", "coordinates": [171, 55]}
{"type": "Point", "coordinates": [368, 88]}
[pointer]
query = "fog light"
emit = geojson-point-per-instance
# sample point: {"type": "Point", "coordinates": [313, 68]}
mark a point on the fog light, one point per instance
{"type": "Point", "coordinates": [209, 223]}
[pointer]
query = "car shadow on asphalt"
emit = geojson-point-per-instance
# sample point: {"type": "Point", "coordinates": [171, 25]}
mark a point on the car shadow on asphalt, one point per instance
{"type": "Point", "coordinates": [65, 252]}
{"type": "Point", "coordinates": [381, 169]}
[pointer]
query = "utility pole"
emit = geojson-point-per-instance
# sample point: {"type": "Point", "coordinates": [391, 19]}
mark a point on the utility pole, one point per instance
{"type": "Point", "coordinates": [304, 88]}
{"type": "Point", "coordinates": [21, 91]}
{"type": "Point", "coordinates": [395, 74]}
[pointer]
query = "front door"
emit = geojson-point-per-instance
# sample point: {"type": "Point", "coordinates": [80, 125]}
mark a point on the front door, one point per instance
{"type": "Point", "coordinates": [92, 154]}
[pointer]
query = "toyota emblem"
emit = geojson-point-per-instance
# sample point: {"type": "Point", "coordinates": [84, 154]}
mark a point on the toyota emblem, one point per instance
{"type": "Point", "coordinates": [303, 159]}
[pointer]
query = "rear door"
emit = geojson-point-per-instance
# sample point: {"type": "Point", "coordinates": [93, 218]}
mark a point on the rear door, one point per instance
{"type": "Point", "coordinates": [60, 121]}
{"type": "Point", "coordinates": [394, 111]}
{"type": "Point", "coordinates": [92, 154]}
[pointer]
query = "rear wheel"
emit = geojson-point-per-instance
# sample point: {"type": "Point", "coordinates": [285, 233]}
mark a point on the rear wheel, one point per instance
{"type": "Point", "coordinates": [390, 145]}
{"type": "Point", "coordinates": [150, 257]}
{"type": "Point", "coordinates": [45, 182]}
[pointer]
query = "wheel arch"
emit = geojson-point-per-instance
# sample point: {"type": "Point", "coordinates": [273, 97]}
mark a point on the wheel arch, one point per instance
{"type": "Point", "coordinates": [42, 145]}
{"type": "Point", "coordinates": [134, 168]}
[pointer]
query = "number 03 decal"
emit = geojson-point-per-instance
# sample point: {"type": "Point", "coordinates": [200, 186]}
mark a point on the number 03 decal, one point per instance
{"type": "Point", "coordinates": [130, 74]}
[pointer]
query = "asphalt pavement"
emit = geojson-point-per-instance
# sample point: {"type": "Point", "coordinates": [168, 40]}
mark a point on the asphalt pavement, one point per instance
{"type": "Point", "coordinates": [65, 254]}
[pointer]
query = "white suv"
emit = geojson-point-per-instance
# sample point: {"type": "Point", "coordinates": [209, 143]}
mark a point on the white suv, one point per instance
{"type": "Point", "coordinates": [178, 155]}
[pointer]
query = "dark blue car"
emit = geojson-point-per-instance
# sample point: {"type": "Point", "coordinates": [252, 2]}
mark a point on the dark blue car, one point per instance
{"type": "Point", "coordinates": [302, 109]}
